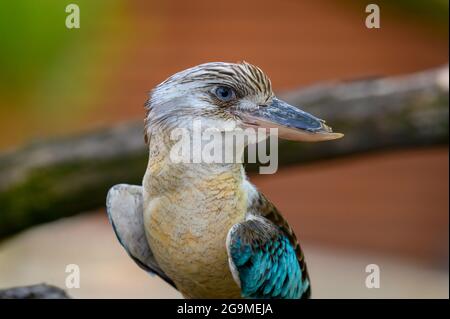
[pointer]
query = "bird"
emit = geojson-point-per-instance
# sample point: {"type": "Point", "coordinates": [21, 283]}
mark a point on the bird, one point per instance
{"type": "Point", "coordinates": [204, 228]}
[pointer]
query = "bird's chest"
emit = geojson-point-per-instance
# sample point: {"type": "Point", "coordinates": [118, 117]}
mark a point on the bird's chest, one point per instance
{"type": "Point", "coordinates": [187, 232]}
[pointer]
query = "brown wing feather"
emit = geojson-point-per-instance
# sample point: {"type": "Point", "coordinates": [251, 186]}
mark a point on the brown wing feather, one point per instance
{"type": "Point", "coordinates": [263, 207]}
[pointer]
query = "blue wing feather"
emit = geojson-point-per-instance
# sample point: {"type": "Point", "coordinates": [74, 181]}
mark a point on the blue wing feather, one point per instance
{"type": "Point", "coordinates": [265, 261]}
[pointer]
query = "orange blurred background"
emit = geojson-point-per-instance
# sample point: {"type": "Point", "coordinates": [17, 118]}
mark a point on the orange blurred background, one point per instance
{"type": "Point", "coordinates": [389, 208]}
{"type": "Point", "coordinates": [58, 80]}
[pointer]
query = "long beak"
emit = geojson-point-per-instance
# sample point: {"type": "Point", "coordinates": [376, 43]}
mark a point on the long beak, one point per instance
{"type": "Point", "coordinates": [292, 123]}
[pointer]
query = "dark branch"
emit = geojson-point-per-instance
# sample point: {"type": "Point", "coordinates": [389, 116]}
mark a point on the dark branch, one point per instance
{"type": "Point", "coordinates": [40, 291]}
{"type": "Point", "coordinates": [57, 178]}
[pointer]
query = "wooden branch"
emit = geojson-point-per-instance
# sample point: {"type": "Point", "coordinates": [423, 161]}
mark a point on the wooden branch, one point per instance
{"type": "Point", "coordinates": [40, 291]}
{"type": "Point", "coordinates": [57, 178]}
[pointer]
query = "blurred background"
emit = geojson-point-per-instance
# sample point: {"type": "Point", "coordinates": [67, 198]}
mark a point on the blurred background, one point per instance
{"type": "Point", "coordinates": [387, 207]}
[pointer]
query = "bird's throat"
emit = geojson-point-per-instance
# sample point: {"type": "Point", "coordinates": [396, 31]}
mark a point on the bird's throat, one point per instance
{"type": "Point", "coordinates": [167, 173]}
{"type": "Point", "coordinates": [188, 211]}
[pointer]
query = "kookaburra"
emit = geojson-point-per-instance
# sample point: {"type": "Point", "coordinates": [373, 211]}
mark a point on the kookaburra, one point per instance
{"type": "Point", "coordinates": [203, 227]}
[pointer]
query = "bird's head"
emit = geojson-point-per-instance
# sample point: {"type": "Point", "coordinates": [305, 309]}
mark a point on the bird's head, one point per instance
{"type": "Point", "coordinates": [226, 96]}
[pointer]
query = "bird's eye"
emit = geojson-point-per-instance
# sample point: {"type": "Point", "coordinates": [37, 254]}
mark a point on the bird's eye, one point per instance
{"type": "Point", "coordinates": [225, 93]}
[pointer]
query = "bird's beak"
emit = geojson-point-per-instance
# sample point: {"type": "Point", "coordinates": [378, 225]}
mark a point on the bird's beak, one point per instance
{"type": "Point", "coordinates": [291, 122]}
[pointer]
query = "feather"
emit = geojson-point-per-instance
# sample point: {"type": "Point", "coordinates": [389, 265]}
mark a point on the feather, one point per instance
{"type": "Point", "coordinates": [125, 212]}
{"type": "Point", "coordinates": [264, 255]}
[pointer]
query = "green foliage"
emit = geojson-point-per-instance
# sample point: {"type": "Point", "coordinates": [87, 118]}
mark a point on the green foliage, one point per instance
{"type": "Point", "coordinates": [36, 42]}
{"type": "Point", "coordinates": [46, 78]}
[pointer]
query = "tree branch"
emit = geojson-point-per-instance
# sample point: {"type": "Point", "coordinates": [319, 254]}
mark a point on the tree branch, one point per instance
{"type": "Point", "coordinates": [56, 178]}
{"type": "Point", "coordinates": [40, 291]}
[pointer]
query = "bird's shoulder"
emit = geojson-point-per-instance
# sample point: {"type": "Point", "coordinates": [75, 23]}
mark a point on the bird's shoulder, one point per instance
{"type": "Point", "coordinates": [124, 206]}
{"type": "Point", "coordinates": [264, 250]}
{"type": "Point", "coordinates": [259, 205]}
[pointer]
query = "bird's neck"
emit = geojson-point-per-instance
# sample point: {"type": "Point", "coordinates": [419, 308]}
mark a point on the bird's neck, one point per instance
{"type": "Point", "coordinates": [188, 210]}
{"type": "Point", "coordinates": [166, 176]}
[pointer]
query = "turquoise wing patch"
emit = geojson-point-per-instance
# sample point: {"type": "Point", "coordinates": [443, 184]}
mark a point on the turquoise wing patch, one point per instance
{"type": "Point", "coordinates": [264, 261]}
